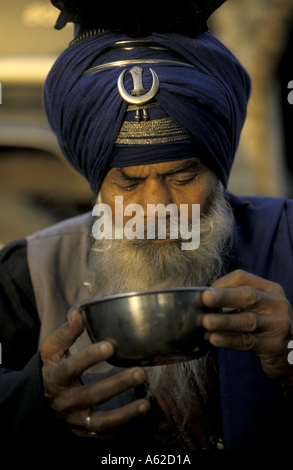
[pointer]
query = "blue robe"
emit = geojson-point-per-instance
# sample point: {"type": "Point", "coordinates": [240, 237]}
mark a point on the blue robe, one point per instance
{"type": "Point", "coordinates": [264, 247]}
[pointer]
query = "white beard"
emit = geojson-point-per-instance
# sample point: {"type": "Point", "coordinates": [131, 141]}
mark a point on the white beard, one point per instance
{"type": "Point", "coordinates": [136, 265]}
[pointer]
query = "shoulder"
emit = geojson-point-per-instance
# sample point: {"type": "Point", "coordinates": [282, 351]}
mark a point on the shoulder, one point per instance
{"type": "Point", "coordinates": [255, 203]}
{"type": "Point", "coordinates": [79, 224]}
{"type": "Point", "coordinates": [252, 213]}
{"type": "Point", "coordinates": [61, 247]}
{"type": "Point", "coordinates": [264, 238]}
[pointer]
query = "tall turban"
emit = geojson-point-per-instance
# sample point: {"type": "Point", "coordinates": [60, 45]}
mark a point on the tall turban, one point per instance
{"type": "Point", "coordinates": [202, 101]}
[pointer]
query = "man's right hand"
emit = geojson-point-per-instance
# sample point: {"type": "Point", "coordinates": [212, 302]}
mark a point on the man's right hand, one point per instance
{"type": "Point", "coordinates": [70, 399]}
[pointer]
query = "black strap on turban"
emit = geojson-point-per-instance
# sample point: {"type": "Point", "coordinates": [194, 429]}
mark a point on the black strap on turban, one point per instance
{"type": "Point", "coordinates": [137, 18]}
{"type": "Point", "coordinates": [207, 98]}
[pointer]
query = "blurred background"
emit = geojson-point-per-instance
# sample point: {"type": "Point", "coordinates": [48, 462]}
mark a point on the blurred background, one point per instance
{"type": "Point", "coordinates": [38, 187]}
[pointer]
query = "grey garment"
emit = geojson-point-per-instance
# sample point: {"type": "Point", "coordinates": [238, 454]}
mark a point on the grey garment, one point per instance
{"type": "Point", "coordinates": [58, 259]}
{"type": "Point", "coordinates": [58, 263]}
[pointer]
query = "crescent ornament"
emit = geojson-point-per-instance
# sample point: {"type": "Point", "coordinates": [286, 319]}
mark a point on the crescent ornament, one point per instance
{"type": "Point", "coordinates": [142, 97]}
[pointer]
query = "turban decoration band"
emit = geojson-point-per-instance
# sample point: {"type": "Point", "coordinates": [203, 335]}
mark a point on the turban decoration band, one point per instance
{"type": "Point", "coordinates": [160, 131]}
{"type": "Point", "coordinates": [149, 132]}
{"type": "Point", "coordinates": [198, 110]}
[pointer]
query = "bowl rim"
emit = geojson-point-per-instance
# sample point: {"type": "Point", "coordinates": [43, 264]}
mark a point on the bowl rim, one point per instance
{"type": "Point", "coordinates": [142, 293]}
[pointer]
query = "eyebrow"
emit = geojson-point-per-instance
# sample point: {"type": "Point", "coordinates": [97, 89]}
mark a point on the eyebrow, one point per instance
{"type": "Point", "coordinates": [127, 177]}
{"type": "Point", "coordinates": [190, 166]}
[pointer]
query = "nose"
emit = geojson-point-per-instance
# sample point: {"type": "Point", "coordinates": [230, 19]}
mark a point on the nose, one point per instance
{"type": "Point", "coordinates": [155, 192]}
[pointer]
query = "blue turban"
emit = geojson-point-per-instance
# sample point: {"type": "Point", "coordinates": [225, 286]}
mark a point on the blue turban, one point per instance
{"type": "Point", "coordinates": [208, 101]}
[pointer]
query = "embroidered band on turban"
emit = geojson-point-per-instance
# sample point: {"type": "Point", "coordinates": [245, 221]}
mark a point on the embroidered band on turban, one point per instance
{"type": "Point", "coordinates": [199, 109]}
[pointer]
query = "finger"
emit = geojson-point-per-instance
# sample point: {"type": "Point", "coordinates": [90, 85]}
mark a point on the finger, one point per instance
{"type": "Point", "coordinates": [242, 278]}
{"type": "Point", "coordinates": [73, 367]}
{"type": "Point", "coordinates": [237, 342]}
{"type": "Point", "coordinates": [99, 392]}
{"type": "Point", "coordinates": [243, 297]}
{"type": "Point", "coordinates": [244, 322]}
{"type": "Point", "coordinates": [61, 340]}
{"type": "Point", "coordinates": [115, 418]}
{"type": "Point", "coordinates": [105, 422]}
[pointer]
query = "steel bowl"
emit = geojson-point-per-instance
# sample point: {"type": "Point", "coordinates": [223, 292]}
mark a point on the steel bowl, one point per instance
{"type": "Point", "coordinates": [149, 328]}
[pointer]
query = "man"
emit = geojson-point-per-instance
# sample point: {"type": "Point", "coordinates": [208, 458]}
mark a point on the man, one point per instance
{"type": "Point", "coordinates": [175, 144]}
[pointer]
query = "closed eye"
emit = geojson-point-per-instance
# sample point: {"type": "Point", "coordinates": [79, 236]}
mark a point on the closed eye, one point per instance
{"type": "Point", "coordinates": [185, 180]}
{"type": "Point", "coordinates": [128, 187]}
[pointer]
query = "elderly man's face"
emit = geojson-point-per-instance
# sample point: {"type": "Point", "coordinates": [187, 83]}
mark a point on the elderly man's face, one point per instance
{"type": "Point", "coordinates": [124, 265]}
{"type": "Point", "coordinates": [178, 182]}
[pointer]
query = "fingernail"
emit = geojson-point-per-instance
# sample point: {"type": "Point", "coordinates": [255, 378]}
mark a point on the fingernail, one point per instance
{"type": "Point", "coordinates": [216, 339]}
{"type": "Point", "coordinates": [212, 292]}
{"type": "Point", "coordinates": [74, 314]}
{"type": "Point", "coordinates": [105, 347]}
{"type": "Point", "coordinates": [142, 408]}
{"type": "Point", "coordinates": [209, 296]}
{"type": "Point", "coordinates": [137, 375]}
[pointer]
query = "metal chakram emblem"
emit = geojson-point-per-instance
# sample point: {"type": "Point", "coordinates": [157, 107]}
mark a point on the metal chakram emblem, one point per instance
{"type": "Point", "coordinates": [139, 96]}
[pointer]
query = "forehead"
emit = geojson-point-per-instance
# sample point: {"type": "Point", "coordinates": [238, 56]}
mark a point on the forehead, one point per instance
{"type": "Point", "coordinates": [143, 171]}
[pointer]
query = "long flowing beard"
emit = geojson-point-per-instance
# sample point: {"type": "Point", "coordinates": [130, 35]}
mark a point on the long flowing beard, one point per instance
{"type": "Point", "coordinates": [136, 265]}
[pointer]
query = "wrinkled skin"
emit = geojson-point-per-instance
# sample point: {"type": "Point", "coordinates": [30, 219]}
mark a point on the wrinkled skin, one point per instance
{"type": "Point", "coordinates": [70, 399]}
{"type": "Point", "coordinates": [262, 325]}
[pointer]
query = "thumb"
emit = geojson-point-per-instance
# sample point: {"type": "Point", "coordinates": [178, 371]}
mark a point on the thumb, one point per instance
{"type": "Point", "coordinates": [60, 341]}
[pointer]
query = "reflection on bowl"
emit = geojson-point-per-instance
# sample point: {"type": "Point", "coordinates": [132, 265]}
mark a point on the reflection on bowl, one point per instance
{"type": "Point", "coordinates": [150, 327]}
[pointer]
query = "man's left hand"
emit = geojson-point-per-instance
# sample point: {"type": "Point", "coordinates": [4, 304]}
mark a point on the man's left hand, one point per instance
{"type": "Point", "coordinates": [262, 321]}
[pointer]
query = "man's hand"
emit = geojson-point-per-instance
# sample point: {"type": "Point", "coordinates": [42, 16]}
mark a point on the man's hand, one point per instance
{"type": "Point", "coordinates": [71, 400]}
{"type": "Point", "coordinates": [261, 323]}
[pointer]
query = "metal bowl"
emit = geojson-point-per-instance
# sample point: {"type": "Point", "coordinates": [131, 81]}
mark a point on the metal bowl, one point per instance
{"type": "Point", "coordinates": [149, 328]}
